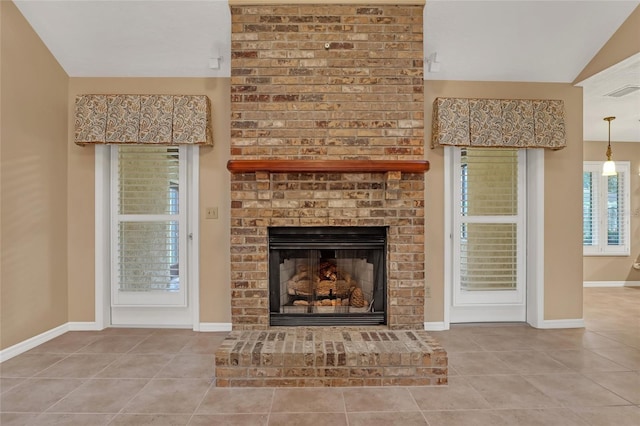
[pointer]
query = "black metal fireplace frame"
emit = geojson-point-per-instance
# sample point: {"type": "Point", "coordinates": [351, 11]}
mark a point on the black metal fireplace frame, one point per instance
{"type": "Point", "coordinates": [327, 238]}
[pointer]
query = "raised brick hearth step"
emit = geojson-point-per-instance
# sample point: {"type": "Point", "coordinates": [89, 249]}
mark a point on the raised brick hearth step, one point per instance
{"type": "Point", "coordinates": [330, 357]}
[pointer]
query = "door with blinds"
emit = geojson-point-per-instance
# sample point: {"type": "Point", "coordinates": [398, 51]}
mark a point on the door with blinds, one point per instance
{"type": "Point", "coordinates": [149, 236]}
{"type": "Point", "coordinates": [489, 235]}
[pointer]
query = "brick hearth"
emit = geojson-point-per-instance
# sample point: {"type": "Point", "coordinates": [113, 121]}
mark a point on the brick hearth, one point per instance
{"type": "Point", "coordinates": [330, 357]}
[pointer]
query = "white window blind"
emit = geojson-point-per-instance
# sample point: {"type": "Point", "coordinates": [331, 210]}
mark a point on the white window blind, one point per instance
{"type": "Point", "coordinates": [148, 244]}
{"type": "Point", "coordinates": [605, 210]}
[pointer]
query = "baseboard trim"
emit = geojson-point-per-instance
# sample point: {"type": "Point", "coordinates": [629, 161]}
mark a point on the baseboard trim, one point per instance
{"type": "Point", "coordinates": [435, 326]}
{"type": "Point", "coordinates": [84, 326]}
{"type": "Point", "coordinates": [24, 346]}
{"type": "Point", "coordinates": [32, 342]}
{"type": "Point", "coordinates": [564, 323]}
{"type": "Point", "coordinates": [215, 326]}
{"type": "Point", "coordinates": [611, 284]}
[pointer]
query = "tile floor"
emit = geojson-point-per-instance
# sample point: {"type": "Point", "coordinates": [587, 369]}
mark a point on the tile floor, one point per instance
{"type": "Point", "coordinates": [507, 374]}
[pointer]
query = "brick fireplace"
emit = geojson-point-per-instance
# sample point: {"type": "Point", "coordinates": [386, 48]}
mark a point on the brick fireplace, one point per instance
{"type": "Point", "coordinates": [334, 83]}
{"type": "Point", "coordinates": [327, 133]}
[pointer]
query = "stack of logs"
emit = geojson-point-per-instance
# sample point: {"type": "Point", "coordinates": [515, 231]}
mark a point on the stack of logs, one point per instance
{"type": "Point", "coordinates": [331, 286]}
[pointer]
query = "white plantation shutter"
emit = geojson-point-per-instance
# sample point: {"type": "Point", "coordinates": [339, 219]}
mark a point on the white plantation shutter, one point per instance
{"type": "Point", "coordinates": [489, 225]}
{"type": "Point", "coordinates": [489, 182]}
{"type": "Point", "coordinates": [488, 257]}
{"type": "Point", "coordinates": [606, 210]}
{"type": "Point", "coordinates": [590, 204]}
{"type": "Point", "coordinates": [148, 221]}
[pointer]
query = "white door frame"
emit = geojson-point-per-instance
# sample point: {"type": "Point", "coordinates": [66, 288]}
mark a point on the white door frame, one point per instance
{"type": "Point", "coordinates": [535, 237]}
{"type": "Point", "coordinates": [102, 237]}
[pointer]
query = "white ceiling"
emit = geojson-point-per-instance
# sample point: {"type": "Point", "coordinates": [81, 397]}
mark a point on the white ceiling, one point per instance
{"type": "Point", "coordinates": [533, 41]}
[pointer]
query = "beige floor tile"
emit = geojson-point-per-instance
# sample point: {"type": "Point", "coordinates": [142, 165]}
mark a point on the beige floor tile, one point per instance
{"type": "Point", "coordinates": [188, 366]}
{"type": "Point", "coordinates": [161, 344]}
{"type": "Point", "coordinates": [452, 372]}
{"type": "Point", "coordinates": [17, 419]}
{"type": "Point", "coordinates": [379, 399]}
{"type": "Point", "coordinates": [79, 366]}
{"type": "Point", "coordinates": [523, 417]}
{"type": "Point", "coordinates": [462, 331]}
{"type": "Point", "coordinates": [626, 356]}
{"type": "Point", "coordinates": [480, 376]}
{"type": "Point", "coordinates": [173, 332]}
{"type": "Point", "coordinates": [29, 364]}
{"type": "Point", "coordinates": [478, 363]}
{"type": "Point", "coordinates": [466, 418]}
{"type": "Point", "coordinates": [606, 324]}
{"type": "Point", "coordinates": [510, 330]}
{"type": "Point", "coordinates": [531, 362]}
{"type": "Point", "coordinates": [404, 418]}
{"type": "Point", "coordinates": [131, 366]}
{"type": "Point", "coordinates": [457, 343]}
{"type": "Point", "coordinates": [236, 400]}
{"type": "Point", "coordinates": [204, 343]}
{"type": "Point", "coordinates": [574, 390]}
{"type": "Point", "coordinates": [510, 392]}
{"type": "Point", "coordinates": [556, 340]}
{"type": "Point", "coordinates": [502, 343]}
{"type": "Point", "coordinates": [625, 384]}
{"type": "Point", "coordinates": [36, 395]}
{"type": "Point", "coordinates": [68, 343]}
{"type": "Point", "coordinates": [609, 416]}
{"type": "Point", "coordinates": [229, 420]}
{"type": "Point", "coordinates": [9, 383]}
{"type": "Point", "coordinates": [307, 419]}
{"type": "Point", "coordinates": [592, 339]}
{"type": "Point", "coordinates": [311, 400]}
{"type": "Point", "coordinates": [111, 344]}
{"type": "Point", "coordinates": [100, 396]}
{"type": "Point", "coordinates": [151, 420]}
{"type": "Point", "coordinates": [122, 331]}
{"type": "Point", "coordinates": [458, 395]}
{"type": "Point", "coordinates": [585, 361]}
{"type": "Point", "coordinates": [542, 417]}
{"type": "Point", "coordinates": [71, 419]}
{"type": "Point", "coordinates": [627, 337]}
{"type": "Point", "coordinates": [168, 396]}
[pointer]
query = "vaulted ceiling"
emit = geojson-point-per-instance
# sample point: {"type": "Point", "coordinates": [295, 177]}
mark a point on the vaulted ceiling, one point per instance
{"type": "Point", "coordinates": [526, 41]}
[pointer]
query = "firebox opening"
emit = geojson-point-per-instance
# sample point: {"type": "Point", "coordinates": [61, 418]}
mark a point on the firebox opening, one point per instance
{"type": "Point", "coordinates": [327, 276]}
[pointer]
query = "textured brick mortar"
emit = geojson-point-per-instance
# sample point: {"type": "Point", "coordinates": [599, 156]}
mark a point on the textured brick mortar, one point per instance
{"type": "Point", "coordinates": [328, 82]}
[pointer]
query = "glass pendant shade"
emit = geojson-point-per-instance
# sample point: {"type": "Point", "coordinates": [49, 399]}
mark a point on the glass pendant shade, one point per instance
{"type": "Point", "coordinates": [609, 167]}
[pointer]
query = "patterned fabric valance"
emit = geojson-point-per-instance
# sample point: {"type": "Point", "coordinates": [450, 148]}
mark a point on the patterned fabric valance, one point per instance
{"type": "Point", "coordinates": [143, 119]}
{"type": "Point", "coordinates": [508, 123]}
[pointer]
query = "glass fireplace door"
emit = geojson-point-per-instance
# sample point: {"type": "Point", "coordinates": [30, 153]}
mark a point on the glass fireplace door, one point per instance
{"type": "Point", "coordinates": [326, 280]}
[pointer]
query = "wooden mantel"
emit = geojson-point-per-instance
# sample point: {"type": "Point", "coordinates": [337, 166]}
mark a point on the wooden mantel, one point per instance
{"type": "Point", "coordinates": [327, 166]}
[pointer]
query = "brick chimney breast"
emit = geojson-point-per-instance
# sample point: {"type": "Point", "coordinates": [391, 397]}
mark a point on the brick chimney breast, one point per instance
{"type": "Point", "coordinates": [327, 82]}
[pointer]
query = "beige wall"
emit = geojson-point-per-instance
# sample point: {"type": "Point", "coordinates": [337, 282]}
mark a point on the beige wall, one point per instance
{"type": "Point", "coordinates": [563, 197]}
{"type": "Point", "coordinates": [215, 291]}
{"type": "Point", "coordinates": [624, 43]}
{"type": "Point", "coordinates": [47, 187]}
{"type": "Point", "coordinates": [618, 268]}
{"type": "Point", "coordinates": [33, 236]}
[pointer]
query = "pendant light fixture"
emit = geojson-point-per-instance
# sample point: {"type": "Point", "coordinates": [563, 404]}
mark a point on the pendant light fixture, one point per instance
{"type": "Point", "coordinates": [609, 167]}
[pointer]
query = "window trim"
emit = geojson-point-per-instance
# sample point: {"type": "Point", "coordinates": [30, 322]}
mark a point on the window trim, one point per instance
{"type": "Point", "coordinates": [603, 248]}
